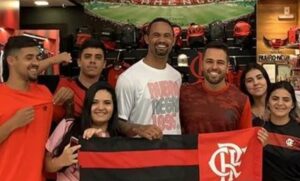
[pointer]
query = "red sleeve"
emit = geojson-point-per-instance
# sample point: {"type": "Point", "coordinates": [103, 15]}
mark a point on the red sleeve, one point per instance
{"type": "Point", "coordinates": [63, 82]}
{"type": "Point", "coordinates": [246, 117]}
{"type": "Point", "coordinates": [58, 113]}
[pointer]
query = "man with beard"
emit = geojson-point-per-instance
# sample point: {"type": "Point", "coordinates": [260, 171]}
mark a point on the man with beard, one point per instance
{"type": "Point", "coordinates": [148, 92]}
{"type": "Point", "coordinates": [25, 113]}
{"type": "Point", "coordinates": [214, 105]}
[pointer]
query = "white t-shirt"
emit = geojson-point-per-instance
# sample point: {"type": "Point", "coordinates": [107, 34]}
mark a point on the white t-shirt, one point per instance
{"type": "Point", "coordinates": [150, 96]}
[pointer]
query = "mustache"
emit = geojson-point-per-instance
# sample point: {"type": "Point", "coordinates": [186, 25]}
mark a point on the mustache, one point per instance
{"type": "Point", "coordinates": [33, 66]}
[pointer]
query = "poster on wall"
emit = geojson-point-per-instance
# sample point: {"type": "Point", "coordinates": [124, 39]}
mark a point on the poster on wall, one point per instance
{"type": "Point", "coordinates": [180, 12]}
{"type": "Point", "coordinates": [278, 40]}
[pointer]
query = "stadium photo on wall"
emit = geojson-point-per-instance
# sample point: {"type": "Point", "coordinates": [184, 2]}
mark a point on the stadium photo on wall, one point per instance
{"type": "Point", "coordinates": [180, 12]}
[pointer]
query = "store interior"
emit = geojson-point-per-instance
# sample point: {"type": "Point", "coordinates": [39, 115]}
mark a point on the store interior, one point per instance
{"type": "Point", "coordinates": [269, 34]}
{"type": "Point", "coordinates": [60, 24]}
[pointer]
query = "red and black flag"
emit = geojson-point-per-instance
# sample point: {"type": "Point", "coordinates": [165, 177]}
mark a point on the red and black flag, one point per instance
{"type": "Point", "coordinates": [229, 155]}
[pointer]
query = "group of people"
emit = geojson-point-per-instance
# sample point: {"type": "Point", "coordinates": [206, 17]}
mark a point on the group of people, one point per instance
{"type": "Point", "coordinates": [149, 101]}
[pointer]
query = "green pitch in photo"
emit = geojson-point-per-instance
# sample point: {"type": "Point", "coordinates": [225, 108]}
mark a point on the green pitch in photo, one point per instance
{"type": "Point", "coordinates": [182, 15]}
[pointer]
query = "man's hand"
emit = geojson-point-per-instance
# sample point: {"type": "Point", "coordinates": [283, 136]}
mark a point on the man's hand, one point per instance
{"type": "Point", "coordinates": [62, 95]}
{"type": "Point", "coordinates": [64, 58]}
{"type": "Point", "coordinates": [149, 132]}
{"type": "Point", "coordinates": [23, 117]}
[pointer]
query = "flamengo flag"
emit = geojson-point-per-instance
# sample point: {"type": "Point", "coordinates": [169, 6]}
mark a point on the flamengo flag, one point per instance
{"type": "Point", "coordinates": [226, 156]}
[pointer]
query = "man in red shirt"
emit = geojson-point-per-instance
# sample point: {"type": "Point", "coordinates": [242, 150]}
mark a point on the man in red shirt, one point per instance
{"type": "Point", "coordinates": [213, 105]}
{"type": "Point", "coordinates": [91, 62]}
{"type": "Point", "coordinates": [25, 113]}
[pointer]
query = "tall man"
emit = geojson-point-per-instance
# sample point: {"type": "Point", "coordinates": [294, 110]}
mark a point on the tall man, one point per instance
{"type": "Point", "coordinates": [25, 113]}
{"type": "Point", "coordinates": [214, 105]}
{"type": "Point", "coordinates": [148, 92]}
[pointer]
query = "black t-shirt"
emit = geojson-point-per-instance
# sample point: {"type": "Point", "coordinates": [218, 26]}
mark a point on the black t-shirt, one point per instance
{"type": "Point", "coordinates": [282, 163]}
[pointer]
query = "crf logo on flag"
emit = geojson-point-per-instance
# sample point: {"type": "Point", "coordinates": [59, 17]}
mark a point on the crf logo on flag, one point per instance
{"type": "Point", "coordinates": [229, 157]}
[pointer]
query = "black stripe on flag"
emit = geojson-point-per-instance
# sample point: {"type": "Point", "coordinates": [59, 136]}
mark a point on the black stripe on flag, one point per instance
{"type": "Point", "coordinates": [186, 173]}
{"type": "Point", "coordinates": [127, 144]}
{"type": "Point", "coordinates": [174, 158]}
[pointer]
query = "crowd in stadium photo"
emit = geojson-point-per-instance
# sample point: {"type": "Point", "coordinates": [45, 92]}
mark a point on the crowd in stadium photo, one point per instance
{"type": "Point", "coordinates": [149, 100]}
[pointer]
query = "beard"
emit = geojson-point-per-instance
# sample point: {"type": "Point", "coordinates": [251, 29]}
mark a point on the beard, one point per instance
{"type": "Point", "coordinates": [32, 77]}
{"type": "Point", "coordinates": [214, 80]}
{"type": "Point", "coordinates": [161, 53]}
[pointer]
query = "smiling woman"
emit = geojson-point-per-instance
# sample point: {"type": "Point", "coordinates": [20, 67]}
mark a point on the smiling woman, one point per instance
{"type": "Point", "coordinates": [281, 156]}
{"type": "Point", "coordinates": [99, 118]}
{"type": "Point", "coordinates": [255, 83]}
{"type": "Point", "coordinates": [102, 109]}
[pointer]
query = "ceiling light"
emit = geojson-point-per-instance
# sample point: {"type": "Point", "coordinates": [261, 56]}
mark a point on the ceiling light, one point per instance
{"type": "Point", "coordinates": [41, 3]}
{"type": "Point", "coordinates": [35, 36]}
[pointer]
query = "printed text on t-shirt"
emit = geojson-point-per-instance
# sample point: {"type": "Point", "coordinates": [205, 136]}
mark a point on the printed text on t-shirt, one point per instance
{"type": "Point", "coordinates": [165, 103]}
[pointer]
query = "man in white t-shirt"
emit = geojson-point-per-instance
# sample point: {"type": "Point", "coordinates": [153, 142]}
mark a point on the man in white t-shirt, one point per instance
{"type": "Point", "coordinates": [148, 92]}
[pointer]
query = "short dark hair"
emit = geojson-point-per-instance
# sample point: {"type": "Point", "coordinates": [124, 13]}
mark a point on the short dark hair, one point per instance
{"type": "Point", "coordinates": [288, 87]}
{"type": "Point", "coordinates": [92, 43]}
{"type": "Point", "coordinates": [253, 66]}
{"type": "Point", "coordinates": [159, 19]}
{"type": "Point", "coordinates": [15, 43]}
{"type": "Point", "coordinates": [218, 45]}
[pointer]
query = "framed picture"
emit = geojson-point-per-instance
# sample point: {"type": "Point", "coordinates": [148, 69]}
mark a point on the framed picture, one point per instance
{"type": "Point", "coordinates": [271, 70]}
{"type": "Point", "coordinates": [283, 72]}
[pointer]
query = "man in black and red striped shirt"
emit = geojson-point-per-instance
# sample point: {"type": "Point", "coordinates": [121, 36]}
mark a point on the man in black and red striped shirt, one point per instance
{"type": "Point", "coordinates": [214, 105]}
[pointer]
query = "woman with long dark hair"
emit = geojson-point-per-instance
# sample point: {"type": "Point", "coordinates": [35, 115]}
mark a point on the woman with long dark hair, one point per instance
{"type": "Point", "coordinates": [99, 118]}
{"type": "Point", "coordinates": [255, 83]}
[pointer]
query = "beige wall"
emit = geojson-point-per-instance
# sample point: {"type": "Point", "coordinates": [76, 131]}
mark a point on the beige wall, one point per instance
{"type": "Point", "coordinates": [270, 26]}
